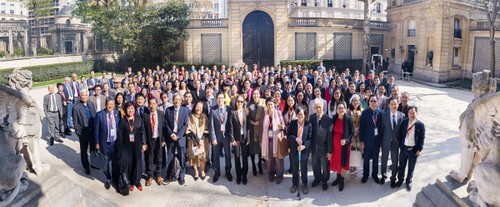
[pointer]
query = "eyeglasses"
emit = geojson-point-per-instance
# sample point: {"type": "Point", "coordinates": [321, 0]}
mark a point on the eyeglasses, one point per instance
{"type": "Point", "coordinates": [373, 101]}
{"type": "Point", "coordinates": [240, 101]}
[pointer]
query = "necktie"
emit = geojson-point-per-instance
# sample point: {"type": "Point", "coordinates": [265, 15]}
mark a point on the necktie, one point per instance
{"type": "Point", "coordinates": [222, 115]}
{"type": "Point", "coordinates": [111, 126]}
{"type": "Point", "coordinates": [140, 111]}
{"type": "Point", "coordinates": [393, 122]}
{"type": "Point", "coordinates": [52, 103]}
{"type": "Point", "coordinates": [299, 135]}
{"type": "Point", "coordinates": [153, 123]}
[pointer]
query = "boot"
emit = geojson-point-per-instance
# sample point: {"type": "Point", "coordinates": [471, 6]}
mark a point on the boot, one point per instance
{"type": "Point", "coordinates": [337, 180]}
{"type": "Point", "coordinates": [341, 185]}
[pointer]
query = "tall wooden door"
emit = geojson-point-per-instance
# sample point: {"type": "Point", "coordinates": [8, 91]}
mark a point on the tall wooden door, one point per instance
{"type": "Point", "coordinates": [258, 39]}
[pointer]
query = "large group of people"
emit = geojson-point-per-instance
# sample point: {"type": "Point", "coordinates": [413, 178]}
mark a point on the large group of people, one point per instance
{"type": "Point", "coordinates": [168, 120]}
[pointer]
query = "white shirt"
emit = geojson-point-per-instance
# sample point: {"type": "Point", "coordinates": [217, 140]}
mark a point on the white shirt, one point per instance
{"type": "Point", "coordinates": [240, 114]}
{"type": "Point", "coordinates": [410, 134]}
{"type": "Point", "coordinates": [111, 124]}
{"type": "Point", "coordinates": [98, 103]}
{"type": "Point", "coordinates": [155, 129]}
{"type": "Point", "coordinates": [176, 119]}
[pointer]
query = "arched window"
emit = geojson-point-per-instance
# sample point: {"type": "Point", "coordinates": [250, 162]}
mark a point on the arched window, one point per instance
{"type": "Point", "coordinates": [412, 28]}
{"type": "Point", "coordinates": [457, 31]}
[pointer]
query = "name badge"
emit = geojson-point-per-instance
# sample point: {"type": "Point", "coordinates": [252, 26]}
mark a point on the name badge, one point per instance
{"type": "Point", "coordinates": [223, 127]}
{"type": "Point", "coordinates": [113, 132]}
{"type": "Point", "coordinates": [131, 137]}
{"type": "Point", "coordinates": [270, 133]}
{"type": "Point", "coordinates": [375, 131]}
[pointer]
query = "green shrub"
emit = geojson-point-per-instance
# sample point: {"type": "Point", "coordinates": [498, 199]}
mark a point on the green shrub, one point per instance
{"type": "Point", "coordinates": [50, 72]}
{"type": "Point", "coordinates": [44, 51]}
{"type": "Point", "coordinates": [18, 52]}
{"type": "Point", "coordinates": [307, 63]}
{"type": "Point", "coordinates": [341, 65]}
{"type": "Point", "coordinates": [3, 54]}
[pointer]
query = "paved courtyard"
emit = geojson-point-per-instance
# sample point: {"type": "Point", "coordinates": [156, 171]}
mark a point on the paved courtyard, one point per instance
{"type": "Point", "coordinates": [439, 109]}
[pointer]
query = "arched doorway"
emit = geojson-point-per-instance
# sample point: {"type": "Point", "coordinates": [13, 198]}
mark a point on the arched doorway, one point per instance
{"type": "Point", "coordinates": [258, 39]}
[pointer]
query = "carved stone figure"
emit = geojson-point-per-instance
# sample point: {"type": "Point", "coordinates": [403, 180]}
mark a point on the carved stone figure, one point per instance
{"type": "Point", "coordinates": [479, 137]}
{"type": "Point", "coordinates": [20, 132]}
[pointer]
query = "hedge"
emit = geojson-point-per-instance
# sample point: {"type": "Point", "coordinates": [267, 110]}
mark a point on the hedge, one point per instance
{"type": "Point", "coordinates": [51, 72]}
{"type": "Point", "coordinates": [353, 64]}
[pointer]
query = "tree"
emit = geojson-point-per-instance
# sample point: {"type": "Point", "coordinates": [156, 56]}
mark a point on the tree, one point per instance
{"type": "Point", "coordinates": [39, 9]}
{"type": "Point", "coordinates": [366, 32]}
{"type": "Point", "coordinates": [201, 9]}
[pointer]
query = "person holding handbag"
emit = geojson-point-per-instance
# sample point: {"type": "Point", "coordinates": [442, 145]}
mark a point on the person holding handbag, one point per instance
{"type": "Point", "coordinates": [343, 131]}
{"type": "Point", "coordinates": [272, 139]}
{"type": "Point", "coordinates": [197, 140]}
{"type": "Point", "coordinates": [354, 112]}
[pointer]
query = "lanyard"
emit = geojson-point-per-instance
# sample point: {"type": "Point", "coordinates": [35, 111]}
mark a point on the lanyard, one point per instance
{"type": "Point", "coordinates": [408, 131]}
{"type": "Point", "coordinates": [131, 125]}
{"type": "Point", "coordinates": [375, 120]}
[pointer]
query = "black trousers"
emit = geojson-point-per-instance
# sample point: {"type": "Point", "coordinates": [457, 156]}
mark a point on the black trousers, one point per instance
{"type": "Point", "coordinates": [294, 161]}
{"type": "Point", "coordinates": [241, 157]}
{"type": "Point", "coordinates": [154, 158]}
{"type": "Point", "coordinates": [320, 166]}
{"type": "Point", "coordinates": [222, 142]}
{"type": "Point", "coordinates": [86, 139]}
{"type": "Point", "coordinates": [370, 153]}
{"type": "Point", "coordinates": [407, 156]}
{"type": "Point", "coordinates": [394, 151]}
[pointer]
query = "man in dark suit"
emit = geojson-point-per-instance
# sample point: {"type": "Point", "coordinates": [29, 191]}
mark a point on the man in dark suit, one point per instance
{"type": "Point", "coordinates": [412, 135]}
{"type": "Point", "coordinates": [98, 99]}
{"type": "Point", "coordinates": [153, 124]}
{"type": "Point", "coordinates": [130, 96]}
{"type": "Point", "coordinates": [140, 100]}
{"type": "Point", "coordinates": [321, 144]}
{"type": "Point", "coordinates": [176, 121]}
{"type": "Point", "coordinates": [63, 123]}
{"type": "Point", "coordinates": [68, 92]}
{"type": "Point", "coordinates": [92, 82]}
{"type": "Point", "coordinates": [221, 135]}
{"type": "Point", "coordinates": [105, 134]}
{"type": "Point", "coordinates": [389, 131]}
{"type": "Point", "coordinates": [53, 109]}
{"type": "Point", "coordinates": [369, 127]}
{"type": "Point", "coordinates": [299, 135]}
{"type": "Point", "coordinates": [198, 93]}
{"type": "Point", "coordinates": [83, 120]}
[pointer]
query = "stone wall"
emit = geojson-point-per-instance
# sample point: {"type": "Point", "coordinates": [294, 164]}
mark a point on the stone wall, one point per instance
{"type": "Point", "coordinates": [47, 60]}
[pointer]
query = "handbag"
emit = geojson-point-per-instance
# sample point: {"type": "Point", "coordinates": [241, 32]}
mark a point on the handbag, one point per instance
{"type": "Point", "coordinates": [98, 160]}
{"type": "Point", "coordinates": [355, 159]}
{"type": "Point", "coordinates": [123, 184]}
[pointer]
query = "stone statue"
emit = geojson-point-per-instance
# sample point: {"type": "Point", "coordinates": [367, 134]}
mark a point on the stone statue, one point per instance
{"type": "Point", "coordinates": [479, 137]}
{"type": "Point", "coordinates": [20, 132]}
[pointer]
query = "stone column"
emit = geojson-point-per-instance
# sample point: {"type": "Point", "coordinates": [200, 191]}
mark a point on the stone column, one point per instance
{"type": "Point", "coordinates": [85, 43]}
{"type": "Point", "coordinates": [26, 53]}
{"type": "Point", "coordinates": [11, 43]}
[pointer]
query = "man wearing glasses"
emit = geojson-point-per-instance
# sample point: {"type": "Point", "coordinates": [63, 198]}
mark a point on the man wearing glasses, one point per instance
{"type": "Point", "coordinates": [371, 120]}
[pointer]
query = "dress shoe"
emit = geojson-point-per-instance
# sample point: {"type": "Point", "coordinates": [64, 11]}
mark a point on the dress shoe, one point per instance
{"type": "Point", "coordinates": [382, 181]}
{"type": "Point", "coordinates": [377, 180]}
{"type": "Point", "coordinates": [107, 185]}
{"type": "Point", "coordinates": [149, 181]}
{"type": "Point", "coordinates": [244, 180]}
{"type": "Point", "coordinates": [182, 181]}
{"type": "Point", "coordinates": [216, 177]}
{"type": "Point", "coordinates": [87, 171]}
{"type": "Point", "coordinates": [159, 180]}
{"type": "Point", "coordinates": [409, 186]}
{"type": "Point", "coordinates": [238, 180]}
{"type": "Point", "coordinates": [229, 177]}
{"type": "Point", "coordinates": [293, 189]}
{"type": "Point", "coordinates": [315, 183]}
{"type": "Point", "coordinates": [341, 184]}
{"type": "Point", "coordinates": [59, 140]}
{"type": "Point", "coordinates": [166, 181]}
{"type": "Point", "coordinates": [337, 180]}
{"type": "Point", "coordinates": [50, 142]}
{"type": "Point", "coordinates": [393, 183]}
{"type": "Point", "coordinates": [131, 188]}
{"type": "Point", "coordinates": [196, 178]}
{"type": "Point", "coordinates": [305, 189]}
{"type": "Point", "coordinates": [399, 183]}
{"type": "Point", "coordinates": [278, 180]}
{"type": "Point", "coordinates": [139, 187]}
{"type": "Point", "coordinates": [325, 186]}
{"type": "Point", "coordinates": [364, 179]}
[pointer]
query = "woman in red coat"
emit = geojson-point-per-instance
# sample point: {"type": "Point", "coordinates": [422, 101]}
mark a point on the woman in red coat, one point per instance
{"type": "Point", "coordinates": [343, 130]}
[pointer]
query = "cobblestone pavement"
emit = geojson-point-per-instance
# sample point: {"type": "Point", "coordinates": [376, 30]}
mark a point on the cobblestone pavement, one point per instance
{"type": "Point", "coordinates": [439, 109]}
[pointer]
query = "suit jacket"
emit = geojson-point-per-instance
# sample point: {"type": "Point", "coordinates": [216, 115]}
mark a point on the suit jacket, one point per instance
{"type": "Point", "coordinates": [367, 127]}
{"type": "Point", "coordinates": [197, 97]}
{"type": "Point", "coordinates": [182, 125]}
{"type": "Point", "coordinates": [148, 127]}
{"type": "Point", "coordinates": [322, 133]}
{"type": "Point", "coordinates": [101, 126]}
{"type": "Point", "coordinates": [293, 132]}
{"type": "Point", "coordinates": [58, 103]}
{"type": "Point", "coordinates": [93, 99]}
{"type": "Point", "coordinates": [145, 111]}
{"type": "Point", "coordinates": [206, 105]}
{"type": "Point", "coordinates": [130, 97]}
{"type": "Point", "coordinates": [68, 91]}
{"type": "Point", "coordinates": [390, 137]}
{"type": "Point", "coordinates": [237, 126]}
{"type": "Point", "coordinates": [419, 135]}
{"type": "Point", "coordinates": [80, 119]}
{"type": "Point", "coordinates": [215, 125]}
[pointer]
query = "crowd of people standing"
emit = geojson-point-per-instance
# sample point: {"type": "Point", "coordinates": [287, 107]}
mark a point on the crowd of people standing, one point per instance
{"type": "Point", "coordinates": [169, 120]}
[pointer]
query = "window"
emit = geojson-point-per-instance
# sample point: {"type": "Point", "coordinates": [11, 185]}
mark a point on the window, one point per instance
{"type": "Point", "coordinates": [216, 6]}
{"type": "Point", "coordinates": [455, 56]}
{"type": "Point", "coordinates": [305, 46]}
{"type": "Point", "coordinates": [342, 46]}
{"type": "Point", "coordinates": [12, 8]}
{"type": "Point", "coordinates": [345, 3]}
{"type": "Point", "coordinates": [457, 32]}
{"type": "Point", "coordinates": [330, 3]}
{"type": "Point", "coordinates": [378, 8]}
{"type": "Point", "coordinates": [2, 8]}
{"type": "Point", "coordinates": [357, 4]}
{"type": "Point", "coordinates": [303, 3]}
{"type": "Point", "coordinates": [55, 3]}
{"type": "Point", "coordinates": [412, 28]}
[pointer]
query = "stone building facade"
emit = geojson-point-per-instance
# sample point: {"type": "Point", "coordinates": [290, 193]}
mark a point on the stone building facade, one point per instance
{"type": "Point", "coordinates": [13, 27]}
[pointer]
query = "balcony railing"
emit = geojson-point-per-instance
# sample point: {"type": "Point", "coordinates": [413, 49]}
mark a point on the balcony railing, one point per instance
{"type": "Point", "coordinates": [331, 22]}
{"type": "Point", "coordinates": [207, 23]}
{"type": "Point", "coordinates": [483, 25]}
{"type": "Point", "coordinates": [457, 33]}
{"type": "Point", "coordinates": [412, 32]}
